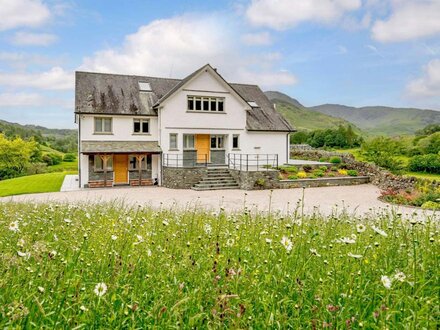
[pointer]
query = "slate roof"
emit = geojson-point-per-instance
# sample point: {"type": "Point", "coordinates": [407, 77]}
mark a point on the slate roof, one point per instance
{"type": "Point", "coordinates": [91, 147]}
{"type": "Point", "coordinates": [101, 93]}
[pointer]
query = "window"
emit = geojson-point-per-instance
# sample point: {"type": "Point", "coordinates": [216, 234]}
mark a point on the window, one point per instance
{"type": "Point", "coordinates": [173, 141]}
{"type": "Point", "coordinates": [134, 163]}
{"type": "Point", "coordinates": [99, 164]}
{"type": "Point", "coordinates": [144, 86]}
{"type": "Point", "coordinates": [141, 126]}
{"type": "Point", "coordinates": [211, 104]}
{"type": "Point", "coordinates": [188, 141]}
{"type": "Point", "coordinates": [103, 125]}
{"type": "Point", "coordinates": [216, 141]}
{"type": "Point", "coordinates": [235, 141]}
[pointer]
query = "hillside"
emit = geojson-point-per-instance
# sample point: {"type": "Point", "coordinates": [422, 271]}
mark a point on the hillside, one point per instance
{"type": "Point", "coordinates": [302, 118]}
{"type": "Point", "coordinates": [64, 140]}
{"type": "Point", "coordinates": [382, 120]}
{"type": "Point", "coordinates": [372, 120]}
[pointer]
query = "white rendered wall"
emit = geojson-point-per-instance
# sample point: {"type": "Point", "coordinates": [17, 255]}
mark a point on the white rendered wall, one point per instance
{"type": "Point", "coordinates": [122, 129]}
{"type": "Point", "coordinates": [84, 164]}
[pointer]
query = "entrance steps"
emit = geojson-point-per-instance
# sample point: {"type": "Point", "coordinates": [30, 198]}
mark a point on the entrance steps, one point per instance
{"type": "Point", "coordinates": [218, 178]}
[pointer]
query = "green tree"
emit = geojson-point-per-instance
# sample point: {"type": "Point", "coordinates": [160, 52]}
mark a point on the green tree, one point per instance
{"type": "Point", "coordinates": [15, 155]}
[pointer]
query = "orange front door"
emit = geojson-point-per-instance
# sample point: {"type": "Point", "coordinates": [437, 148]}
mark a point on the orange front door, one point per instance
{"type": "Point", "coordinates": [202, 145]}
{"type": "Point", "coordinates": [120, 167]}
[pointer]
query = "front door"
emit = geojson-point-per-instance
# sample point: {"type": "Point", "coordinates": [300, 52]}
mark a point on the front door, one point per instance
{"type": "Point", "coordinates": [120, 167]}
{"type": "Point", "coordinates": [202, 145]}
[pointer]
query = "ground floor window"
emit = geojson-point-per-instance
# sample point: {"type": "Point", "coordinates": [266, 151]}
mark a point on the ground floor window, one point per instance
{"type": "Point", "coordinates": [173, 141]}
{"type": "Point", "coordinates": [134, 163]}
{"type": "Point", "coordinates": [99, 163]}
{"type": "Point", "coordinates": [235, 141]}
{"type": "Point", "coordinates": [217, 141]}
{"type": "Point", "coordinates": [188, 141]}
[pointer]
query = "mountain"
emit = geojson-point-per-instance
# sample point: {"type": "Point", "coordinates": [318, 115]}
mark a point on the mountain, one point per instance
{"type": "Point", "coordinates": [382, 120]}
{"type": "Point", "coordinates": [374, 120]}
{"type": "Point", "coordinates": [301, 117]}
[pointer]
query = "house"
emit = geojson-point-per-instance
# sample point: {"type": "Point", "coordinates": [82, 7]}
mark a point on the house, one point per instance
{"type": "Point", "coordinates": [136, 130]}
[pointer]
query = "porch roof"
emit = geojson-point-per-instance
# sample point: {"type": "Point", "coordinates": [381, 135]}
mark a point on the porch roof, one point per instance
{"type": "Point", "coordinates": [92, 147]}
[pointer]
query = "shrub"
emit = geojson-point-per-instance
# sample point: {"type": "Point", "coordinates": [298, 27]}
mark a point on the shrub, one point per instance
{"type": "Point", "coordinates": [431, 206]}
{"type": "Point", "coordinates": [307, 168]}
{"type": "Point", "coordinates": [342, 172]}
{"type": "Point", "coordinates": [302, 175]}
{"type": "Point", "coordinates": [36, 168]}
{"type": "Point", "coordinates": [352, 172]}
{"type": "Point", "coordinates": [318, 173]}
{"type": "Point", "coordinates": [335, 160]}
{"type": "Point", "coordinates": [331, 175]}
{"type": "Point", "coordinates": [70, 157]}
{"type": "Point", "coordinates": [323, 168]}
{"type": "Point", "coordinates": [323, 159]}
{"type": "Point", "coordinates": [333, 169]}
{"type": "Point", "coordinates": [425, 163]}
{"type": "Point", "coordinates": [260, 182]}
{"type": "Point", "coordinates": [292, 177]}
{"type": "Point", "coordinates": [291, 169]}
{"type": "Point", "coordinates": [52, 159]}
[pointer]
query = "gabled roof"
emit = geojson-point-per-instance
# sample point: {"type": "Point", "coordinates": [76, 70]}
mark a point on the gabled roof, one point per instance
{"type": "Point", "coordinates": [114, 94]}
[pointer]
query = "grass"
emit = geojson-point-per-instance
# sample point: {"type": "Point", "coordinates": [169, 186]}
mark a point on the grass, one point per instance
{"type": "Point", "coordinates": [64, 166]}
{"type": "Point", "coordinates": [37, 183]}
{"type": "Point", "coordinates": [190, 269]}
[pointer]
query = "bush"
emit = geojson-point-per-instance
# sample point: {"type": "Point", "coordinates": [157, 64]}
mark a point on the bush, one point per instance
{"type": "Point", "coordinates": [52, 159]}
{"type": "Point", "coordinates": [260, 182]}
{"type": "Point", "coordinates": [70, 157]}
{"type": "Point", "coordinates": [425, 163]}
{"type": "Point", "coordinates": [292, 177]}
{"type": "Point", "coordinates": [36, 168]}
{"type": "Point", "coordinates": [323, 159]}
{"type": "Point", "coordinates": [431, 206]}
{"type": "Point", "coordinates": [307, 168]}
{"type": "Point", "coordinates": [331, 175]}
{"type": "Point", "coordinates": [323, 168]}
{"type": "Point", "coordinates": [333, 169]}
{"type": "Point", "coordinates": [290, 169]}
{"type": "Point", "coordinates": [352, 172]}
{"type": "Point", "coordinates": [343, 172]}
{"type": "Point", "coordinates": [335, 160]}
{"type": "Point", "coordinates": [318, 173]}
{"type": "Point", "coordinates": [302, 175]}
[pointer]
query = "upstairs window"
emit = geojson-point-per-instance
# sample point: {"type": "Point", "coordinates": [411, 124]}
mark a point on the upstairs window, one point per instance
{"type": "Point", "coordinates": [206, 104]}
{"type": "Point", "coordinates": [141, 126]}
{"type": "Point", "coordinates": [103, 125]}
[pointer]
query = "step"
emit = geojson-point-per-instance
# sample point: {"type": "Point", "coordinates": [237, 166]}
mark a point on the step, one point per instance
{"type": "Point", "coordinates": [214, 188]}
{"type": "Point", "coordinates": [217, 179]}
{"type": "Point", "coordinates": [207, 185]}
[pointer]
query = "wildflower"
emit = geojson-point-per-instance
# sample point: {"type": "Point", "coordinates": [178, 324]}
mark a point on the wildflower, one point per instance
{"type": "Point", "coordinates": [67, 220]}
{"type": "Point", "coordinates": [360, 228]}
{"type": "Point", "coordinates": [268, 240]}
{"type": "Point", "coordinates": [40, 289]}
{"type": "Point", "coordinates": [379, 231]}
{"type": "Point", "coordinates": [287, 243]}
{"type": "Point", "coordinates": [165, 223]}
{"type": "Point", "coordinates": [208, 229]}
{"type": "Point", "coordinates": [386, 281]}
{"type": "Point", "coordinates": [149, 253]}
{"type": "Point", "coordinates": [100, 289]}
{"type": "Point", "coordinates": [400, 276]}
{"type": "Point", "coordinates": [25, 255]}
{"type": "Point", "coordinates": [21, 242]}
{"type": "Point", "coordinates": [356, 256]}
{"type": "Point", "coordinates": [114, 237]}
{"type": "Point", "coordinates": [314, 252]}
{"type": "Point", "coordinates": [230, 242]}
{"type": "Point", "coordinates": [13, 226]}
{"type": "Point", "coordinates": [52, 254]}
{"type": "Point", "coordinates": [83, 308]}
{"type": "Point", "coordinates": [346, 240]}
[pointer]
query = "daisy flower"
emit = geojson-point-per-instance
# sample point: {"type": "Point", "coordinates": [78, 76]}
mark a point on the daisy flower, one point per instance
{"type": "Point", "coordinates": [360, 228]}
{"type": "Point", "coordinates": [287, 243]}
{"type": "Point", "coordinates": [114, 237]}
{"type": "Point", "coordinates": [379, 231]}
{"type": "Point", "coordinates": [386, 281]}
{"type": "Point", "coordinates": [100, 289]}
{"type": "Point", "coordinates": [400, 276]}
{"type": "Point", "coordinates": [13, 226]}
{"type": "Point", "coordinates": [208, 229]}
{"type": "Point", "coordinates": [356, 256]}
{"type": "Point", "coordinates": [268, 241]}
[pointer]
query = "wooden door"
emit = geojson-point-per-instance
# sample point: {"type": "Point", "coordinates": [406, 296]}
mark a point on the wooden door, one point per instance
{"type": "Point", "coordinates": [120, 168]}
{"type": "Point", "coordinates": [203, 147]}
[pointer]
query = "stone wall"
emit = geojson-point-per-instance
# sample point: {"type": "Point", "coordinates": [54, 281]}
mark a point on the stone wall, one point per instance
{"type": "Point", "coordinates": [98, 176]}
{"type": "Point", "coordinates": [323, 182]}
{"type": "Point", "coordinates": [182, 177]}
{"type": "Point", "coordinates": [382, 178]}
{"type": "Point", "coordinates": [248, 179]}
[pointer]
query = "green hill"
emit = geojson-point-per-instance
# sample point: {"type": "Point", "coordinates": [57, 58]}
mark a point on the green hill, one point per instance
{"type": "Point", "coordinates": [301, 117]}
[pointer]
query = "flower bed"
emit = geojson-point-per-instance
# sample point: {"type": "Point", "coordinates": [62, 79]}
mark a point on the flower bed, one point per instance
{"type": "Point", "coordinates": [337, 169]}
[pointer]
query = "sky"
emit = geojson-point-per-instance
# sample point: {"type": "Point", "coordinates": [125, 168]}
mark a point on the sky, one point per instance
{"type": "Point", "coordinates": [351, 52]}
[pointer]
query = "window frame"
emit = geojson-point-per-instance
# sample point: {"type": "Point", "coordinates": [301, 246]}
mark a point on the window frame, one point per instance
{"type": "Point", "coordinates": [101, 168]}
{"type": "Point", "coordinates": [185, 140]}
{"type": "Point", "coordinates": [176, 147]}
{"type": "Point", "coordinates": [146, 163]}
{"type": "Point", "coordinates": [197, 104]}
{"type": "Point", "coordinates": [103, 119]}
{"type": "Point", "coordinates": [217, 146]}
{"type": "Point", "coordinates": [141, 122]}
{"type": "Point", "coordinates": [236, 136]}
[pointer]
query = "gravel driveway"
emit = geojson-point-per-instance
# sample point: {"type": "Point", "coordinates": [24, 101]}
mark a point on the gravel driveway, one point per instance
{"type": "Point", "coordinates": [358, 199]}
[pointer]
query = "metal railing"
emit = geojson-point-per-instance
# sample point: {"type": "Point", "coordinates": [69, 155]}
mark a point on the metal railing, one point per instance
{"type": "Point", "coordinates": [252, 162]}
{"type": "Point", "coordinates": [183, 160]}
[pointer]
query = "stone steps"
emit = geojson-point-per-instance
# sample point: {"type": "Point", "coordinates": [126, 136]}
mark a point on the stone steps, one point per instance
{"type": "Point", "coordinates": [216, 179]}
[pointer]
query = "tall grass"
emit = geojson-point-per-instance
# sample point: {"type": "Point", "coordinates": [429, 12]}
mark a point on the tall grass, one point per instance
{"type": "Point", "coordinates": [113, 266]}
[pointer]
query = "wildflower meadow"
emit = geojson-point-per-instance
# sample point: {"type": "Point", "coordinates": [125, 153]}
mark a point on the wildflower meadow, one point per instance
{"type": "Point", "coordinates": [118, 266]}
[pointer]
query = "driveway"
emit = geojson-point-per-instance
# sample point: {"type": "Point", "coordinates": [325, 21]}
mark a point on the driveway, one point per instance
{"type": "Point", "coordinates": [360, 199]}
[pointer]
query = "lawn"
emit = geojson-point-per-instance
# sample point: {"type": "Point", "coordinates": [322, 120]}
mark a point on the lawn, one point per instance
{"type": "Point", "coordinates": [64, 166]}
{"type": "Point", "coordinates": [110, 266]}
{"type": "Point", "coordinates": [37, 183]}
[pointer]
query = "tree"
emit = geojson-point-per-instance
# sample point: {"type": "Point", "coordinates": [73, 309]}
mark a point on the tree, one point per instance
{"type": "Point", "coordinates": [15, 154]}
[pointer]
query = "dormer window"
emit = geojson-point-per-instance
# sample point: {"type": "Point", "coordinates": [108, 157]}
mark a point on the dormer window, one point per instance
{"type": "Point", "coordinates": [205, 104]}
{"type": "Point", "coordinates": [144, 86]}
{"type": "Point", "coordinates": [253, 104]}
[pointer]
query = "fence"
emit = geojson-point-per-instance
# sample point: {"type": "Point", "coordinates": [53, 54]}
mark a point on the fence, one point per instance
{"type": "Point", "coordinates": [183, 160]}
{"type": "Point", "coordinates": [252, 162]}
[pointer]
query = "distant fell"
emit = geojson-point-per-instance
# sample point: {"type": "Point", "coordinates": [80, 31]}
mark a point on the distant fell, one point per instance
{"type": "Point", "coordinates": [278, 96]}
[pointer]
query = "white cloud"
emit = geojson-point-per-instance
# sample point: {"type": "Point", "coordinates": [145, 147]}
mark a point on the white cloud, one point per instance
{"type": "Point", "coordinates": [177, 46]}
{"type": "Point", "coordinates": [33, 39]}
{"type": "Point", "coordinates": [267, 79]}
{"type": "Point", "coordinates": [409, 20]}
{"type": "Point", "coordinates": [9, 100]}
{"type": "Point", "coordinates": [257, 39]}
{"type": "Point", "coordinates": [54, 79]}
{"type": "Point", "coordinates": [19, 13]}
{"type": "Point", "coordinates": [428, 85]}
{"type": "Point", "coordinates": [283, 14]}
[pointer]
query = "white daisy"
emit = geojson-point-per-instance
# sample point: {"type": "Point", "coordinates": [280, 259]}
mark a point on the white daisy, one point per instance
{"type": "Point", "coordinates": [41, 289]}
{"type": "Point", "coordinates": [379, 231]}
{"type": "Point", "coordinates": [360, 228]}
{"type": "Point", "coordinates": [13, 226]}
{"type": "Point", "coordinates": [100, 289]}
{"type": "Point", "coordinates": [230, 242]}
{"type": "Point", "coordinates": [149, 253]}
{"type": "Point", "coordinates": [314, 252]}
{"type": "Point", "coordinates": [356, 256]}
{"type": "Point", "coordinates": [67, 220]}
{"type": "Point", "coordinates": [287, 243]}
{"type": "Point", "coordinates": [114, 237]}
{"type": "Point", "coordinates": [208, 229]}
{"type": "Point", "coordinates": [386, 281]}
{"type": "Point", "coordinates": [400, 276]}
{"type": "Point", "coordinates": [25, 255]}
{"type": "Point", "coordinates": [268, 241]}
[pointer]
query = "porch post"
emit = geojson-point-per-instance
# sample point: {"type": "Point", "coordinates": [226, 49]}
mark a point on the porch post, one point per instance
{"type": "Point", "coordinates": [104, 159]}
{"type": "Point", "coordinates": [139, 159]}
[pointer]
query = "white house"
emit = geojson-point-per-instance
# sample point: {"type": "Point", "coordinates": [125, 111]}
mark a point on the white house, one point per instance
{"type": "Point", "coordinates": [131, 128]}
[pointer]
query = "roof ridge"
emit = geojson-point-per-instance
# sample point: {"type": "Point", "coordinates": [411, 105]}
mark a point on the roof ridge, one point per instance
{"type": "Point", "coordinates": [126, 75]}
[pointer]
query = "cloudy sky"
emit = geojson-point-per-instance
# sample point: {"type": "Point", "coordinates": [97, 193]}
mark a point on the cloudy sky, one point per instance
{"type": "Point", "coordinates": [353, 52]}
